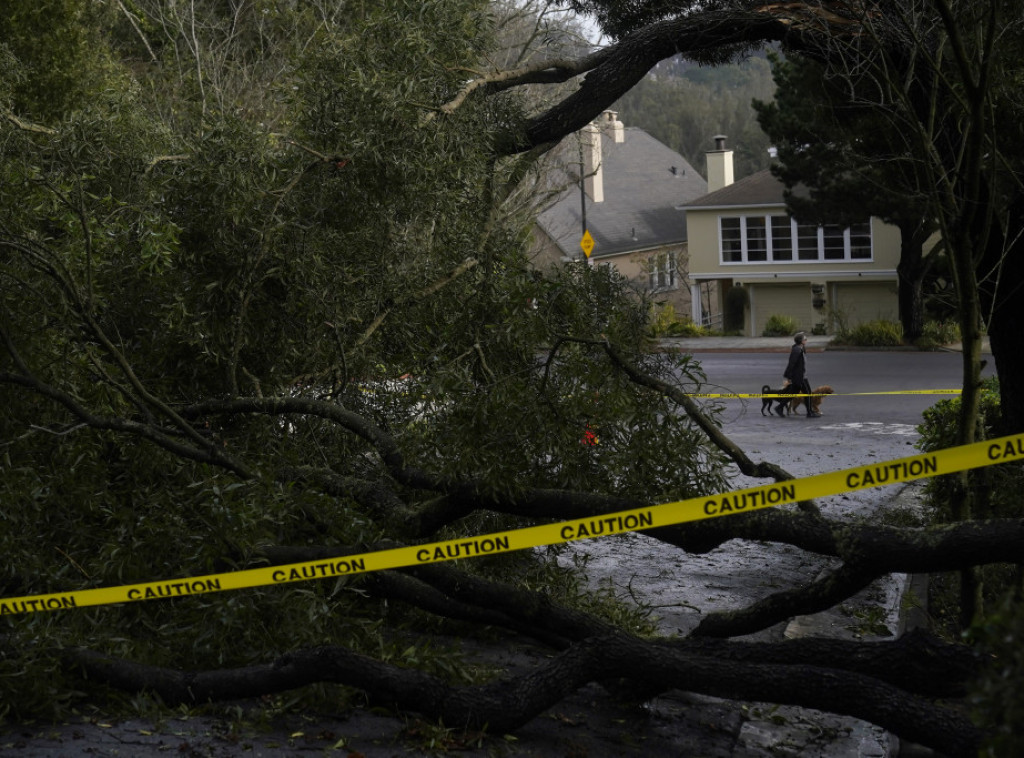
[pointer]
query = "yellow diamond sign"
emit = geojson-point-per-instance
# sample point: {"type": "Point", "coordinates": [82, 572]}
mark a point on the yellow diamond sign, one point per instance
{"type": "Point", "coordinates": [587, 243]}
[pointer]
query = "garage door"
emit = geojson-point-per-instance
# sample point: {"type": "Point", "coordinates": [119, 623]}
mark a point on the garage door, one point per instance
{"type": "Point", "coordinates": [857, 302]}
{"type": "Point", "coordinates": [793, 300]}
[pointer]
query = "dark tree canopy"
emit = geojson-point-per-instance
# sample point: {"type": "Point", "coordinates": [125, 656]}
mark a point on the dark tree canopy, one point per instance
{"type": "Point", "coordinates": [265, 297]}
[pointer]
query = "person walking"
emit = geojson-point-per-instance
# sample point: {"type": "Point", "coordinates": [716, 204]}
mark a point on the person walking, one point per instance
{"type": "Point", "coordinates": [796, 371]}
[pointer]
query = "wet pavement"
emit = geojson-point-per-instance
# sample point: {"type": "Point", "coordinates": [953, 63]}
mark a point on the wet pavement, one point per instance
{"type": "Point", "coordinates": [815, 343]}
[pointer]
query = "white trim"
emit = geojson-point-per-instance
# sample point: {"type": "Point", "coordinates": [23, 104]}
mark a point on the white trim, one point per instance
{"type": "Point", "coordinates": [655, 271]}
{"type": "Point", "coordinates": [634, 250]}
{"type": "Point", "coordinates": [817, 276]}
{"type": "Point", "coordinates": [767, 228]}
{"type": "Point", "coordinates": [748, 206]}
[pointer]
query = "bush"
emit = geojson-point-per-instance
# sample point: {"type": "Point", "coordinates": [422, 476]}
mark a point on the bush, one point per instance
{"type": "Point", "coordinates": [665, 323]}
{"type": "Point", "coordinates": [997, 696]}
{"type": "Point", "coordinates": [780, 326]}
{"type": "Point", "coordinates": [997, 699]}
{"type": "Point", "coordinates": [941, 332]}
{"type": "Point", "coordinates": [938, 431]}
{"type": "Point", "coordinates": [661, 320]}
{"type": "Point", "coordinates": [686, 328]}
{"type": "Point", "coordinates": [874, 334]}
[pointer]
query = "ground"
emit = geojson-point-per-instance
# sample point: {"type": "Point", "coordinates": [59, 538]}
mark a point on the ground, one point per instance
{"type": "Point", "coordinates": [591, 724]}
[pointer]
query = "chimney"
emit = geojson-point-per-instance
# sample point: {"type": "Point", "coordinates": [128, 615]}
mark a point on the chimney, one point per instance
{"type": "Point", "coordinates": [615, 128]}
{"type": "Point", "coordinates": [593, 173]}
{"type": "Point", "coordinates": [719, 165]}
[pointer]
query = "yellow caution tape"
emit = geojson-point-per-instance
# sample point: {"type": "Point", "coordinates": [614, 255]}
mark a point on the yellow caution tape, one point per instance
{"type": "Point", "coordinates": [947, 461]}
{"type": "Point", "coordinates": [818, 394]}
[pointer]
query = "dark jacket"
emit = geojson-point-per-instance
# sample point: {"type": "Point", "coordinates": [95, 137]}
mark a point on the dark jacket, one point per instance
{"type": "Point", "coordinates": [797, 366]}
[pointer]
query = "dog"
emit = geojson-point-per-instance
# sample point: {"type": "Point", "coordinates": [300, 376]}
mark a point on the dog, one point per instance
{"type": "Point", "coordinates": [783, 404]}
{"type": "Point", "coordinates": [812, 402]}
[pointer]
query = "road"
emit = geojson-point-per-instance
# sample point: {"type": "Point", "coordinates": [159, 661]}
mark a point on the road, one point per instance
{"type": "Point", "coordinates": [854, 429]}
{"type": "Point", "coordinates": [847, 372]}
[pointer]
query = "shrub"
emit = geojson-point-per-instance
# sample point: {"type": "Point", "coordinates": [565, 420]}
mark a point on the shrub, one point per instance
{"type": "Point", "coordinates": [941, 332]}
{"type": "Point", "coordinates": [686, 328]}
{"type": "Point", "coordinates": [780, 326]}
{"type": "Point", "coordinates": [661, 320]}
{"type": "Point", "coordinates": [997, 698]}
{"type": "Point", "coordinates": [938, 431]}
{"type": "Point", "coordinates": [874, 334]}
{"type": "Point", "coordinates": [665, 323]}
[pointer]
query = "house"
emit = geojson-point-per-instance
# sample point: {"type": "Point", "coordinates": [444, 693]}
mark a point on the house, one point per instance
{"type": "Point", "coordinates": [633, 195]}
{"type": "Point", "coordinates": [824, 277]}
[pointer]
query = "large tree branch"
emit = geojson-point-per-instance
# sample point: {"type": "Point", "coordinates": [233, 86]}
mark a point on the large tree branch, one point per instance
{"type": "Point", "coordinates": [506, 704]}
{"type": "Point", "coordinates": [871, 552]}
{"type": "Point", "coordinates": [911, 662]}
{"type": "Point", "coordinates": [713, 431]}
{"type": "Point", "coordinates": [150, 432]}
{"type": "Point", "coordinates": [709, 36]}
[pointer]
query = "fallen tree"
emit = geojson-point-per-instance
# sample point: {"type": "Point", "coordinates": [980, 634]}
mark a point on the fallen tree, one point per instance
{"type": "Point", "coordinates": [224, 346]}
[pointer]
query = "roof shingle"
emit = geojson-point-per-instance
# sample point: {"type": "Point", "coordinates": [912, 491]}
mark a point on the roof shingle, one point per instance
{"type": "Point", "coordinates": [643, 199]}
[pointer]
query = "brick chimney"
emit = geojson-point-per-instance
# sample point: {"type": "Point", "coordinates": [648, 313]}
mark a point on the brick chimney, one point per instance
{"type": "Point", "coordinates": [719, 165]}
{"type": "Point", "coordinates": [613, 127]}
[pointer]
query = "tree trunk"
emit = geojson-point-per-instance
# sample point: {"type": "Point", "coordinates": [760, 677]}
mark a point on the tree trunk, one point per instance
{"type": "Point", "coordinates": [505, 704]}
{"type": "Point", "coordinates": [910, 272]}
{"type": "Point", "coordinates": [1003, 301]}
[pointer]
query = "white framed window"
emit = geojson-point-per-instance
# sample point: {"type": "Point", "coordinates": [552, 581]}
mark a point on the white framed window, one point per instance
{"type": "Point", "coordinates": [766, 238]}
{"type": "Point", "coordinates": [661, 271]}
{"type": "Point", "coordinates": [782, 238]}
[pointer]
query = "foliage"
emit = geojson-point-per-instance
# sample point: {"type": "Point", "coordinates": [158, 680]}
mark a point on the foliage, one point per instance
{"type": "Point", "coordinates": [998, 486]}
{"type": "Point", "coordinates": [997, 698]}
{"type": "Point", "coordinates": [938, 333]}
{"type": "Point", "coordinates": [666, 324]}
{"type": "Point", "coordinates": [60, 58]}
{"type": "Point", "coordinates": [684, 106]}
{"type": "Point", "coordinates": [846, 154]}
{"type": "Point", "coordinates": [938, 429]}
{"type": "Point", "coordinates": [878, 333]}
{"type": "Point", "coordinates": [843, 160]}
{"type": "Point", "coordinates": [172, 246]}
{"type": "Point", "coordinates": [780, 326]}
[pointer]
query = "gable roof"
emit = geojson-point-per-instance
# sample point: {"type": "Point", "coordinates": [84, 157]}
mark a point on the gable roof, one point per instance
{"type": "Point", "coordinates": [760, 188]}
{"type": "Point", "coordinates": [643, 199]}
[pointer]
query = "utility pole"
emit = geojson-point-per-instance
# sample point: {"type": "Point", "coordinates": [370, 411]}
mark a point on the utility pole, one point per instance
{"type": "Point", "coordinates": [583, 191]}
{"type": "Point", "coordinates": [586, 241]}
